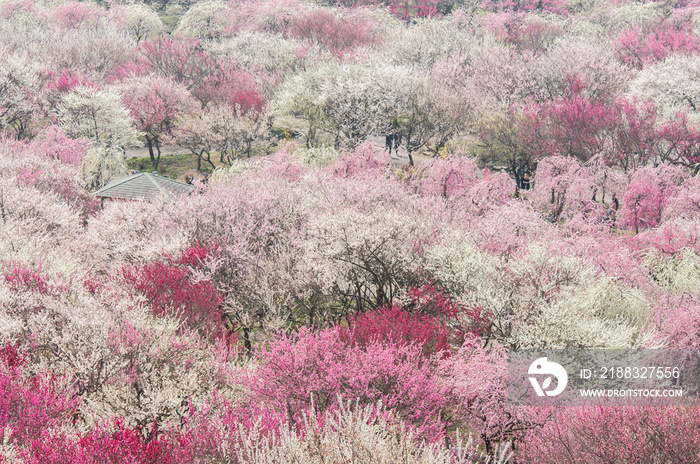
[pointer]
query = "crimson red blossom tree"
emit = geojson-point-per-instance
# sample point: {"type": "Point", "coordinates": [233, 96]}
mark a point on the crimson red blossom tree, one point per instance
{"type": "Point", "coordinates": [170, 289]}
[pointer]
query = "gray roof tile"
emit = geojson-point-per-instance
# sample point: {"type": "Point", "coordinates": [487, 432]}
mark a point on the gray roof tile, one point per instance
{"type": "Point", "coordinates": [142, 185]}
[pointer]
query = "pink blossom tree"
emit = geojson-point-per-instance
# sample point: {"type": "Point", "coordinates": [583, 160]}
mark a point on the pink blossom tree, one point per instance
{"type": "Point", "coordinates": [228, 85]}
{"type": "Point", "coordinates": [336, 34]}
{"type": "Point", "coordinates": [183, 61]}
{"type": "Point", "coordinates": [73, 15]}
{"type": "Point", "coordinates": [637, 48]}
{"type": "Point", "coordinates": [559, 7]}
{"type": "Point", "coordinates": [680, 142]}
{"type": "Point", "coordinates": [647, 193]}
{"type": "Point", "coordinates": [157, 105]}
{"type": "Point", "coordinates": [55, 144]}
{"type": "Point", "coordinates": [322, 366]}
{"type": "Point", "coordinates": [608, 434]}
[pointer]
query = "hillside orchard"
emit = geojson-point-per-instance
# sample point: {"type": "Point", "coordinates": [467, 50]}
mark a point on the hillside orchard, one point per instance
{"type": "Point", "coordinates": [316, 300]}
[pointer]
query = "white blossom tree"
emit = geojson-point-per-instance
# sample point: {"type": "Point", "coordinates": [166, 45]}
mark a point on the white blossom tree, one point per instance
{"type": "Point", "coordinates": [673, 85]}
{"type": "Point", "coordinates": [21, 97]}
{"type": "Point", "coordinates": [99, 116]}
{"type": "Point", "coordinates": [204, 20]}
{"type": "Point", "coordinates": [142, 22]}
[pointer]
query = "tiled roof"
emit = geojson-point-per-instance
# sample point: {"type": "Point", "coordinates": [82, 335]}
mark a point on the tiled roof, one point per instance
{"type": "Point", "coordinates": [142, 185]}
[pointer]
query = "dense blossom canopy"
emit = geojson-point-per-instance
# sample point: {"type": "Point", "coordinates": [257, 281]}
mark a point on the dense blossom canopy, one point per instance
{"type": "Point", "coordinates": [396, 194]}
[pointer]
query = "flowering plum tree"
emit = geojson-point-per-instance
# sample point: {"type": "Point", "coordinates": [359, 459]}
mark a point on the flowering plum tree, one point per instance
{"type": "Point", "coordinates": [21, 86]}
{"type": "Point", "coordinates": [99, 116]}
{"type": "Point", "coordinates": [55, 144]}
{"type": "Point", "coordinates": [395, 325]}
{"type": "Point", "coordinates": [526, 32]}
{"type": "Point", "coordinates": [157, 105]}
{"type": "Point", "coordinates": [477, 279]}
{"type": "Point", "coordinates": [402, 9]}
{"type": "Point", "coordinates": [680, 141]}
{"type": "Point", "coordinates": [647, 193]}
{"type": "Point", "coordinates": [641, 435]}
{"type": "Point", "coordinates": [297, 96]}
{"type": "Point", "coordinates": [574, 126]}
{"type": "Point", "coordinates": [41, 202]}
{"type": "Point", "coordinates": [270, 17]}
{"type": "Point", "coordinates": [184, 61]}
{"type": "Point", "coordinates": [228, 130]}
{"type": "Point", "coordinates": [338, 35]}
{"type": "Point", "coordinates": [670, 84]}
{"type": "Point", "coordinates": [559, 7]}
{"type": "Point", "coordinates": [94, 52]}
{"type": "Point", "coordinates": [374, 305]}
{"type": "Point", "coordinates": [170, 289]}
{"type": "Point", "coordinates": [685, 204]}
{"type": "Point", "coordinates": [72, 15]}
{"type": "Point", "coordinates": [109, 443]}
{"type": "Point", "coordinates": [356, 101]}
{"type": "Point", "coordinates": [256, 52]}
{"type": "Point", "coordinates": [637, 48]}
{"type": "Point", "coordinates": [634, 139]}
{"type": "Point", "coordinates": [448, 177]}
{"type": "Point", "coordinates": [142, 22]}
{"type": "Point", "coordinates": [30, 403]}
{"type": "Point", "coordinates": [228, 85]}
{"type": "Point", "coordinates": [204, 20]}
{"type": "Point", "coordinates": [473, 382]}
{"type": "Point", "coordinates": [324, 366]}
{"type": "Point", "coordinates": [565, 187]}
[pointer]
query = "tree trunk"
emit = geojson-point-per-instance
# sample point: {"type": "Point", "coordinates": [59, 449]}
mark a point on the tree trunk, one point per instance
{"type": "Point", "coordinates": [246, 340]}
{"type": "Point", "coordinates": [311, 136]}
{"type": "Point", "coordinates": [149, 141]}
{"type": "Point", "coordinates": [158, 150]}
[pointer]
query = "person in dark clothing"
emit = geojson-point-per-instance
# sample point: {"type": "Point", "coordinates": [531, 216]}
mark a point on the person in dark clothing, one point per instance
{"type": "Point", "coordinates": [392, 142]}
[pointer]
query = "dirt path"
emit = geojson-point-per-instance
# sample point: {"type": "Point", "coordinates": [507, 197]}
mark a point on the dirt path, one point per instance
{"type": "Point", "coordinates": [132, 153]}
